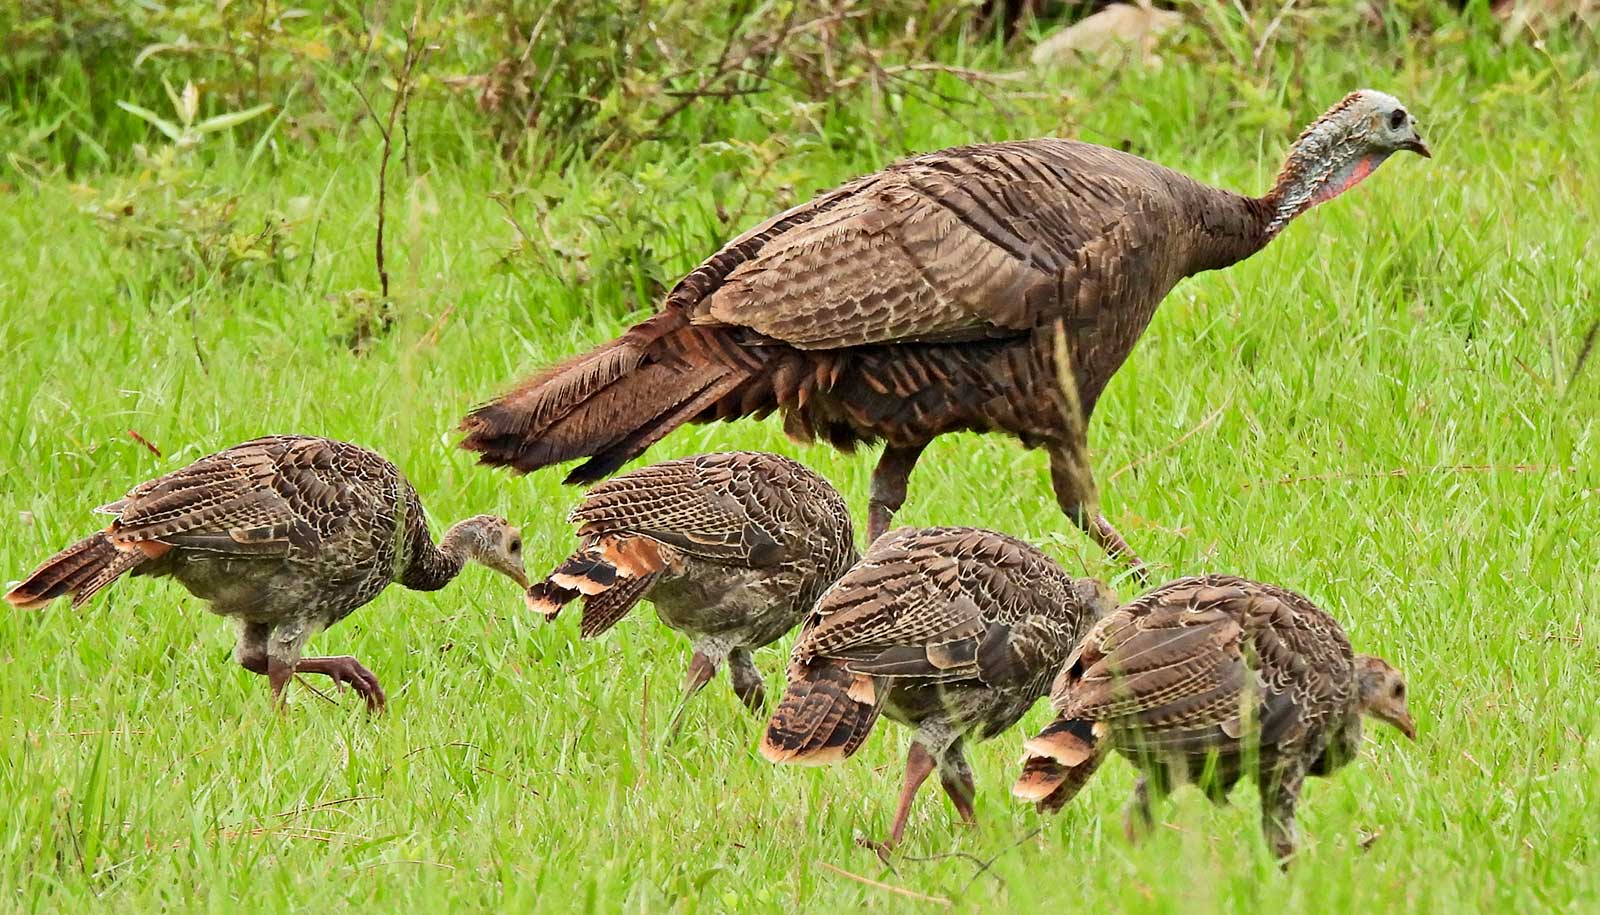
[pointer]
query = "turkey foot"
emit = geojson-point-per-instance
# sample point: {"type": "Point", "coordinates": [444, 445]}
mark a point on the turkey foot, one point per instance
{"type": "Point", "coordinates": [347, 670]}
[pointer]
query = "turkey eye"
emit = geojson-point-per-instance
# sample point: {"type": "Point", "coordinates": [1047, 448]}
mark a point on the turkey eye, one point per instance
{"type": "Point", "coordinates": [1397, 119]}
{"type": "Point", "coordinates": [516, 545]}
{"type": "Point", "coordinates": [1399, 690]}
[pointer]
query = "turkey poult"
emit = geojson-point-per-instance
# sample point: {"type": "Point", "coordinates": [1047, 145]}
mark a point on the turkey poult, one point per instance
{"type": "Point", "coordinates": [924, 299]}
{"type": "Point", "coordinates": [953, 631]}
{"type": "Point", "coordinates": [287, 534]}
{"type": "Point", "coordinates": [733, 550]}
{"type": "Point", "coordinates": [1199, 677]}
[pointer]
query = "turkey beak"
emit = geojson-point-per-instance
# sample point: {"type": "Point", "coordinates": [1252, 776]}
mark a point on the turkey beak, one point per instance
{"type": "Point", "coordinates": [1416, 145]}
{"type": "Point", "coordinates": [1406, 726]}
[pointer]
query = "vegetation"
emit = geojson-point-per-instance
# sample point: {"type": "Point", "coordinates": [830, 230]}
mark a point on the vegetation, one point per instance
{"type": "Point", "coordinates": [1389, 410]}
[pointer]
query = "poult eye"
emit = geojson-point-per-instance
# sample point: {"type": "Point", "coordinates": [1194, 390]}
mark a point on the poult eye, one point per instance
{"type": "Point", "coordinates": [1397, 119]}
{"type": "Point", "coordinates": [516, 545]}
{"type": "Point", "coordinates": [1399, 691]}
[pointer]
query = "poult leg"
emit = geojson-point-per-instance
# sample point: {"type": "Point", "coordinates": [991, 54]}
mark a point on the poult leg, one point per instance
{"type": "Point", "coordinates": [955, 776]}
{"type": "Point", "coordinates": [889, 480]}
{"type": "Point", "coordinates": [746, 679]}
{"type": "Point", "coordinates": [1138, 819]}
{"type": "Point", "coordinates": [919, 765]}
{"type": "Point", "coordinates": [1070, 482]}
{"type": "Point", "coordinates": [348, 671]}
{"type": "Point", "coordinates": [702, 667]}
{"type": "Point", "coordinates": [251, 649]}
{"type": "Point", "coordinates": [1279, 795]}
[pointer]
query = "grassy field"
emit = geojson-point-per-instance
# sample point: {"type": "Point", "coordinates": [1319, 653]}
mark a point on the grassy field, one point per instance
{"type": "Point", "coordinates": [1381, 410]}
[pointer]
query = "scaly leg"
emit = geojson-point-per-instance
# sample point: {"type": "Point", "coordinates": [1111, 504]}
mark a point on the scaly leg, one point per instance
{"type": "Point", "coordinates": [919, 765]}
{"type": "Point", "coordinates": [1069, 481]}
{"type": "Point", "coordinates": [347, 670]}
{"type": "Point", "coordinates": [701, 669]}
{"type": "Point", "coordinates": [1279, 795]}
{"type": "Point", "coordinates": [955, 776]}
{"type": "Point", "coordinates": [889, 480]}
{"type": "Point", "coordinates": [1138, 819]}
{"type": "Point", "coordinates": [746, 679]}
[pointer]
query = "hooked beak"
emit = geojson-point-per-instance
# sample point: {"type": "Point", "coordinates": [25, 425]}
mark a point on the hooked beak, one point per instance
{"type": "Point", "coordinates": [1418, 147]}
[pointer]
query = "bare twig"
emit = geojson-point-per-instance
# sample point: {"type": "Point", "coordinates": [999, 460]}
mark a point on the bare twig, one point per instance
{"type": "Point", "coordinates": [1266, 36]}
{"type": "Point", "coordinates": [133, 434]}
{"type": "Point", "coordinates": [876, 884]}
{"type": "Point", "coordinates": [1196, 430]}
{"type": "Point", "coordinates": [1403, 472]}
{"type": "Point", "coordinates": [996, 857]}
{"type": "Point", "coordinates": [324, 805]}
{"type": "Point", "coordinates": [415, 52]}
{"type": "Point", "coordinates": [1584, 352]}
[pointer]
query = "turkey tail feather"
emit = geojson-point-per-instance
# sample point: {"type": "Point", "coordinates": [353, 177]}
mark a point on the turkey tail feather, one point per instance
{"type": "Point", "coordinates": [821, 718]}
{"type": "Point", "coordinates": [1058, 762]}
{"type": "Point", "coordinates": [609, 404]}
{"type": "Point", "coordinates": [79, 570]}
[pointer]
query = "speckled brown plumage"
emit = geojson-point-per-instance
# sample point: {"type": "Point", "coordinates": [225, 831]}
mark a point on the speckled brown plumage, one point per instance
{"type": "Point", "coordinates": [287, 534]}
{"type": "Point", "coordinates": [1196, 677]}
{"type": "Point", "coordinates": [922, 300]}
{"type": "Point", "coordinates": [953, 631]}
{"type": "Point", "coordinates": [733, 549]}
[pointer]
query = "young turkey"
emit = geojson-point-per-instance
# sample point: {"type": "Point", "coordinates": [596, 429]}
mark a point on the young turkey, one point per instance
{"type": "Point", "coordinates": [952, 631]}
{"type": "Point", "coordinates": [287, 534]}
{"type": "Point", "coordinates": [1193, 681]}
{"type": "Point", "coordinates": [923, 300]}
{"type": "Point", "coordinates": [733, 549]}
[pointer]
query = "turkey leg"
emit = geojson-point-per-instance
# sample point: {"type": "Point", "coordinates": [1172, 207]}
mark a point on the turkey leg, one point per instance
{"type": "Point", "coordinates": [747, 682]}
{"type": "Point", "coordinates": [889, 480]}
{"type": "Point", "coordinates": [919, 765]}
{"type": "Point", "coordinates": [955, 776]}
{"type": "Point", "coordinates": [1068, 481]}
{"type": "Point", "coordinates": [347, 670]}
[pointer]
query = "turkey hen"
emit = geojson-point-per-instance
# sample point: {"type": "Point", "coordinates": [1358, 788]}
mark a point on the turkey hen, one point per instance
{"type": "Point", "coordinates": [287, 534]}
{"type": "Point", "coordinates": [923, 300]}
{"type": "Point", "coordinates": [953, 631]}
{"type": "Point", "coordinates": [1196, 679]}
{"type": "Point", "coordinates": [733, 550]}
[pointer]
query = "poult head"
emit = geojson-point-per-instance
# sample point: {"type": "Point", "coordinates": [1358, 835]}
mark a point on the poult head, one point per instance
{"type": "Point", "coordinates": [1096, 597]}
{"type": "Point", "coordinates": [497, 545]}
{"type": "Point", "coordinates": [1383, 694]}
{"type": "Point", "coordinates": [1341, 148]}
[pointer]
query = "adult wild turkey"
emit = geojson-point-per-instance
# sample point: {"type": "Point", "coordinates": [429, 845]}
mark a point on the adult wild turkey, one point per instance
{"type": "Point", "coordinates": [1193, 681]}
{"type": "Point", "coordinates": [922, 300]}
{"type": "Point", "coordinates": [287, 534]}
{"type": "Point", "coordinates": [733, 549]}
{"type": "Point", "coordinates": [953, 631]}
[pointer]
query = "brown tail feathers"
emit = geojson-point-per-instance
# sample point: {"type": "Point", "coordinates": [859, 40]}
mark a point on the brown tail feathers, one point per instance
{"type": "Point", "coordinates": [611, 574]}
{"type": "Point", "coordinates": [1058, 762]}
{"type": "Point", "coordinates": [611, 403]}
{"type": "Point", "coordinates": [79, 570]}
{"type": "Point", "coordinates": [824, 716]}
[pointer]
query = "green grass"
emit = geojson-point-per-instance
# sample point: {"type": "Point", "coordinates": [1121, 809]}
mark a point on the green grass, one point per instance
{"type": "Point", "coordinates": [1379, 411]}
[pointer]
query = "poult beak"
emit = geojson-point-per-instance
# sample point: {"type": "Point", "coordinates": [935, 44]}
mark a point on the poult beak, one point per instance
{"type": "Point", "coordinates": [1418, 147]}
{"type": "Point", "coordinates": [520, 577]}
{"type": "Point", "coordinates": [1407, 727]}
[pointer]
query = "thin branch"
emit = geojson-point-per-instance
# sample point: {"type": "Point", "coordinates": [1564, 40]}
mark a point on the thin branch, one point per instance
{"type": "Point", "coordinates": [909, 894]}
{"type": "Point", "coordinates": [1196, 430]}
{"type": "Point", "coordinates": [1584, 352]}
{"type": "Point", "coordinates": [1404, 472]}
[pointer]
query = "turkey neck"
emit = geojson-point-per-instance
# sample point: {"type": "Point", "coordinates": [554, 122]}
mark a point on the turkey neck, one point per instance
{"type": "Point", "coordinates": [1231, 227]}
{"type": "Point", "coordinates": [432, 567]}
